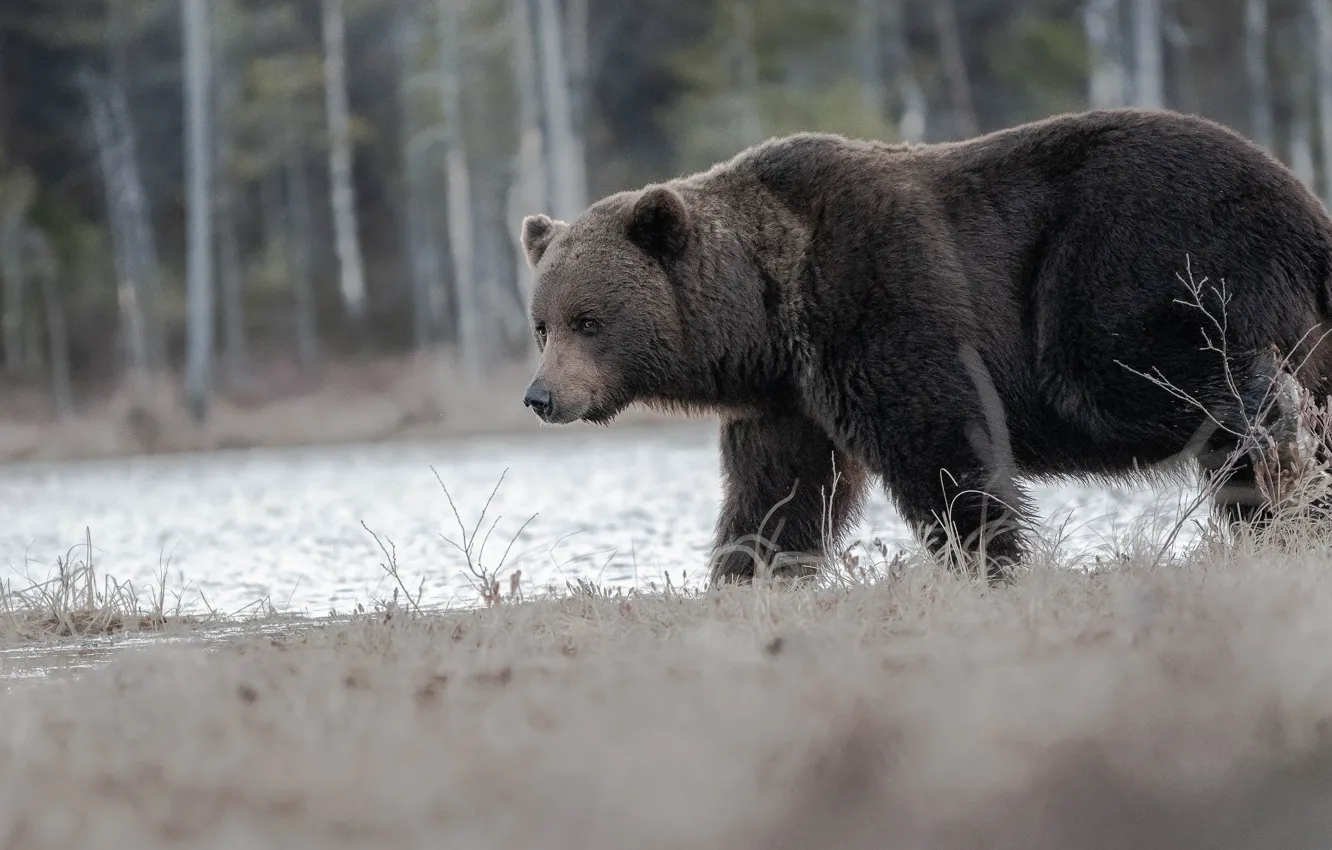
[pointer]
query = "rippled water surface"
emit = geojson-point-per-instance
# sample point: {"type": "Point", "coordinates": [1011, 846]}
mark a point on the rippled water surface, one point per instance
{"type": "Point", "coordinates": [617, 505]}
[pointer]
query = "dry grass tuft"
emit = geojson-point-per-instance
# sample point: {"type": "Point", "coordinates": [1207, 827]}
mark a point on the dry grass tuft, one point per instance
{"type": "Point", "coordinates": [76, 601]}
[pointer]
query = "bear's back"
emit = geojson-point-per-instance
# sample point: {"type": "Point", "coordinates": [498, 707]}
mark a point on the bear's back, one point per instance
{"type": "Point", "coordinates": [1132, 147]}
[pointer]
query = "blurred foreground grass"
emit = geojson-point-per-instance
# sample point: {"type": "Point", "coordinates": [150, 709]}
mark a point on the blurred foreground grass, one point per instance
{"type": "Point", "coordinates": [1180, 701]}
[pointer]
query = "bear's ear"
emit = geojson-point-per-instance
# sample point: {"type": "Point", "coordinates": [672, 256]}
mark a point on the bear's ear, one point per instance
{"type": "Point", "coordinates": [659, 222]}
{"type": "Point", "coordinates": [538, 230]}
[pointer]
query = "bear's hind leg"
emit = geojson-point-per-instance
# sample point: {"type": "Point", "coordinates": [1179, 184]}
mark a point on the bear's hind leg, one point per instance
{"type": "Point", "coordinates": [1276, 448]}
{"type": "Point", "coordinates": [947, 463]}
{"type": "Point", "coordinates": [788, 492]}
{"type": "Point", "coordinates": [960, 512]}
{"type": "Point", "coordinates": [1237, 500]}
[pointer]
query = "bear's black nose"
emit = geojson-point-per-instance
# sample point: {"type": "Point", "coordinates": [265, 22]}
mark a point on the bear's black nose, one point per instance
{"type": "Point", "coordinates": [538, 398]}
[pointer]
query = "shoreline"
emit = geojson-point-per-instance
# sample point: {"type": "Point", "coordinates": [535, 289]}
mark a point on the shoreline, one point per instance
{"type": "Point", "coordinates": [627, 423]}
{"type": "Point", "coordinates": [410, 399]}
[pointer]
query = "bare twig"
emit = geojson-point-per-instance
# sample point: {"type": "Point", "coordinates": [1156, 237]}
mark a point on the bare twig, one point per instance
{"type": "Point", "coordinates": [485, 582]}
{"type": "Point", "coordinates": [390, 566]}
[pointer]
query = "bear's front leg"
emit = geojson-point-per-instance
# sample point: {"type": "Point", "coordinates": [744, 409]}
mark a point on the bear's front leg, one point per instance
{"type": "Point", "coordinates": [787, 492]}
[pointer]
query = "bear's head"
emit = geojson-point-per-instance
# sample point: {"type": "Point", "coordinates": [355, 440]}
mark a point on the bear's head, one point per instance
{"type": "Point", "coordinates": [605, 310]}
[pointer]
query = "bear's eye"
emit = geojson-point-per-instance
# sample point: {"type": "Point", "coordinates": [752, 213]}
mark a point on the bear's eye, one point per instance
{"type": "Point", "coordinates": [541, 333]}
{"type": "Point", "coordinates": [585, 325]}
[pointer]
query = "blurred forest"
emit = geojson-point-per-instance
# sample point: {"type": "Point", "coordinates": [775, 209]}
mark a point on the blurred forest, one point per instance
{"type": "Point", "coordinates": [247, 198]}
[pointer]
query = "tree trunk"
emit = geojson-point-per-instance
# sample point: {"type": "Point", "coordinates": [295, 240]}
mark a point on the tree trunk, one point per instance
{"type": "Point", "coordinates": [272, 213]}
{"type": "Point", "coordinates": [427, 279]}
{"type": "Point", "coordinates": [46, 273]}
{"type": "Point", "coordinates": [1100, 20]}
{"type": "Point", "coordinates": [911, 103]}
{"type": "Point", "coordinates": [1181, 42]}
{"type": "Point", "coordinates": [955, 67]}
{"type": "Point", "coordinates": [1322, 14]}
{"type": "Point", "coordinates": [16, 196]}
{"type": "Point", "coordinates": [580, 62]}
{"type": "Point", "coordinates": [527, 194]}
{"type": "Point", "coordinates": [300, 235]}
{"type": "Point", "coordinates": [869, 57]}
{"type": "Point", "coordinates": [346, 235]}
{"type": "Point", "coordinates": [139, 242]}
{"type": "Point", "coordinates": [124, 258]}
{"type": "Point", "coordinates": [1301, 146]}
{"type": "Point", "coordinates": [142, 241]}
{"type": "Point", "coordinates": [569, 185]}
{"type": "Point", "coordinates": [1298, 44]}
{"type": "Point", "coordinates": [746, 59]}
{"type": "Point", "coordinates": [489, 312]}
{"type": "Point", "coordinates": [1255, 70]}
{"type": "Point", "coordinates": [1149, 77]}
{"type": "Point", "coordinates": [11, 268]}
{"type": "Point", "coordinates": [198, 369]}
{"type": "Point", "coordinates": [420, 253]}
{"type": "Point", "coordinates": [235, 354]}
{"type": "Point", "coordinates": [459, 202]}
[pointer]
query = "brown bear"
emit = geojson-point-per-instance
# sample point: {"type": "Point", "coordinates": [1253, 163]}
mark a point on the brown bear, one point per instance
{"type": "Point", "coordinates": [1092, 294]}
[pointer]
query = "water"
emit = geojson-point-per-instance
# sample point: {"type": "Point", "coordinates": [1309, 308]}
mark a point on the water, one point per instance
{"type": "Point", "coordinates": [618, 506]}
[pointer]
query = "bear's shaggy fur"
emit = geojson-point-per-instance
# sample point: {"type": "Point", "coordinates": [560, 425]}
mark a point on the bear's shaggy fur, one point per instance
{"type": "Point", "coordinates": [947, 317]}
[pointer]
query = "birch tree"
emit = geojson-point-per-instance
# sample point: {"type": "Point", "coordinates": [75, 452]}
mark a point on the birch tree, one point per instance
{"type": "Point", "coordinates": [300, 237]}
{"type": "Point", "coordinates": [346, 232]}
{"type": "Point", "coordinates": [1297, 43]}
{"type": "Point", "coordinates": [198, 371]}
{"type": "Point", "coordinates": [41, 259]}
{"type": "Point", "coordinates": [527, 193]}
{"type": "Point", "coordinates": [869, 55]}
{"type": "Point", "coordinates": [1182, 42]}
{"type": "Point", "coordinates": [912, 106]}
{"type": "Point", "coordinates": [17, 192]}
{"type": "Point", "coordinates": [1149, 71]}
{"type": "Point", "coordinates": [285, 117]}
{"type": "Point", "coordinates": [231, 276]}
{"type": "Point", "coordinates": [119, 176]}
{"type": "Point", "coordinates": [882, 54]}
{"type": "Point", "coordinates": [1322, 50]}
{"type": "Point", "coordinates": [142, 238]}
{"type": "Point", "coordinates": [126, 21]}
{"type": "Point", "coordinates": [1256, 72]}
{"type": "Point", "coordinates": [1100, 21]}
{"type": "Point", "coordinates": [459, 202]}
{"type": "Point", "coordinates": [568, 192]}
{"type": "Point", "coordinates": [580, 70]}
{"type": "Point", "coordinates": [231, 29]}
{"type": "Point", "coordinates": [421, 254]}
{"type": "Point", "coordinates": [745, 51]}
{"type": "Point", "coordinates": [955, 67]}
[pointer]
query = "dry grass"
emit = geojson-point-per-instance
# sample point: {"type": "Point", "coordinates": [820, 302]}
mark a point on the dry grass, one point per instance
{"type": "Point", "coordinates": [76, 600]}
{"type": "Point", "coordinates": [1149, 703]}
